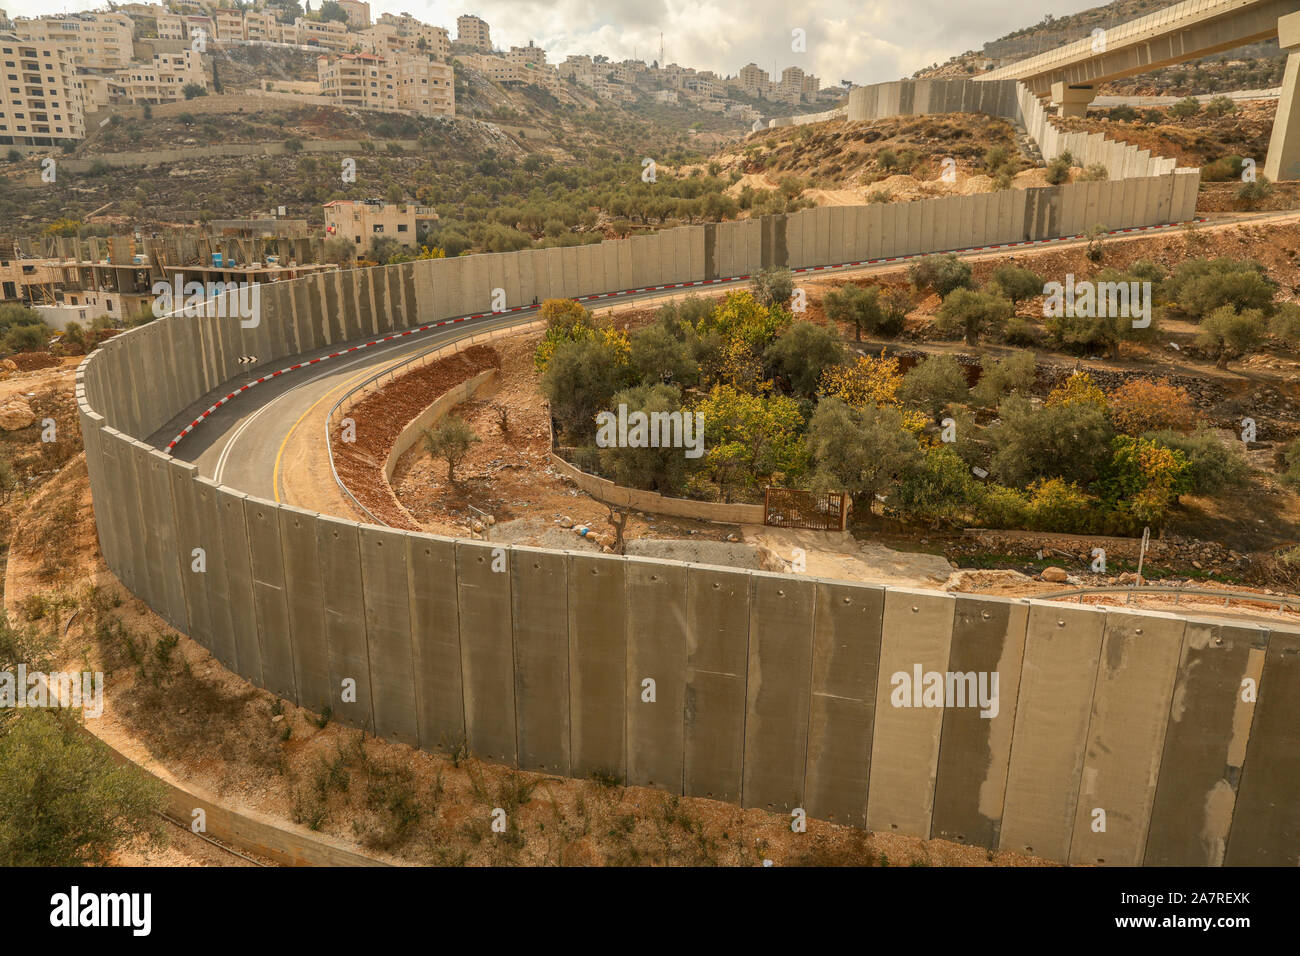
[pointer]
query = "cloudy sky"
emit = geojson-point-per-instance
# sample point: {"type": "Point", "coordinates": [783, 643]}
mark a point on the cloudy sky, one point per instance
{"type": "Point", "coordinates": [866, 41]}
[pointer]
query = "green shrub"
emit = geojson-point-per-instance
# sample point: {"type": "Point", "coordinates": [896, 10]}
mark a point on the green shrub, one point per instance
{"type": "Point", "coordinates": [973, 314]}
{"type": "Point", "coordinates": [1016, 283]}
{"type": "Point", "coordinates": [1000, 377]}
{"type": "Point", "coordinates": [1216, 465]}
{"type": "Point", "coordinates": [941, 274]}
{"type": "Point", "coordinates": [934, 384]}
{"type": "Point", "coordinates": [1199, 286]}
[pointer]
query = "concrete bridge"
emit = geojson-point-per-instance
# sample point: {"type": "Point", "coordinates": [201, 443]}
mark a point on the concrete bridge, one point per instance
{"type": "Point", "coordinates": [1071, 74]}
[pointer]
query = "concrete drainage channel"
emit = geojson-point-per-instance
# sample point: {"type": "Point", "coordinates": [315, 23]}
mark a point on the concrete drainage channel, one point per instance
{"type": "Point", "coordinates": [774, 691]}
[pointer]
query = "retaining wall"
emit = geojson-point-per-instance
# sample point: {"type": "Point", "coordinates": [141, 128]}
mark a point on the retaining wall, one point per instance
{"type": "Point", "coordinates": [602, 489]}
{"type": "Point", "coordinates": [773, 691]}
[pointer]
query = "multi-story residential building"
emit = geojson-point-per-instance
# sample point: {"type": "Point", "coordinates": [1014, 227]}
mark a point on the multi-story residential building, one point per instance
{"type": "Point", "coordinates": [368, 219]}
{"type": "Point", "coordinates": [95, 40]}
{"type": "Point", "coordinates": [229, 25]}
{"type": "Point", "coordinates": [472, 31]}
{"type": "Point", "coordinates": [261, 26]}
{"type": "Point", "coordinates": [199, 25]}
{"type": "Point", "coordinates": [161, 81]}
{"type": "Point", "coordinates": [39, 102]}
{"type": "Point", "coordinates": [391, 83]}
{"type": "Point", "coordinates": [327, 33]}
{"type": "Point", "coordinates": [795, 80]}
{"type": "Point", "coordinates": [358, 12]}
{"type": "Point", "coordinates": [498, 69]}
{"type": "Point", "coordinates": [386, 36]}
{"type": "Point", "coordinates": [753, 80]}
{"type": "Point", "coordinates": [171, 26]}
{"type": "Point", "coordinates": [526, 56]}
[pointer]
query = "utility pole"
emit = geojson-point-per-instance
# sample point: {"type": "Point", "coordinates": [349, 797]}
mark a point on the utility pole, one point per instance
{"type": "Point", "coordinates": [662, 64]}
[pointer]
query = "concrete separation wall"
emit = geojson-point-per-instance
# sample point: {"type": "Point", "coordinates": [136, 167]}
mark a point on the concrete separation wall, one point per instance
{"type": "Point", "coordinates": [857, 704]}
{"type": "Point", "coordinates": [602, 489]}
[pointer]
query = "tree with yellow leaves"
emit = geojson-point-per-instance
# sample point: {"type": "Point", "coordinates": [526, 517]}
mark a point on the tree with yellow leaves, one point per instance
{"type": "Point", "coordinates": [1078, 389]}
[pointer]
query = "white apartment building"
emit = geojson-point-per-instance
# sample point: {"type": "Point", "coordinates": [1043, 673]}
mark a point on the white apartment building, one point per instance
{"type": "Point", "coordinates": [97, 40]}
{"type": "Point", "coordinates": [390, 83]}
{"type": "Point", "coordinates": [474, 32]}
{"type": "Point", "coordinates": [39, 103]}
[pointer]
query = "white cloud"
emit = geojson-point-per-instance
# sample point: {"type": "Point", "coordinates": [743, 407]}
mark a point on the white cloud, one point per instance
{"type": "Point", "coordinates": [866, 41]}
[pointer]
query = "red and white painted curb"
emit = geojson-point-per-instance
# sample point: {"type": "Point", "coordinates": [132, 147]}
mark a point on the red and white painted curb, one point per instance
{"type": "Point", "coordinates": [598, 296]}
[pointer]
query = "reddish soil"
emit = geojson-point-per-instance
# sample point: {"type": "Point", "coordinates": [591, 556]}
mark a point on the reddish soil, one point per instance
{"type": "Point", "coordinates": [380, 418]}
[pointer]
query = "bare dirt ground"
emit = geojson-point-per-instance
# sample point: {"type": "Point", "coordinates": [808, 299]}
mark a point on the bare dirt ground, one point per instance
{"type": "Point", "coordinates": [837, 161]}
{"type": "Point", "coordinates": [1193, 141]}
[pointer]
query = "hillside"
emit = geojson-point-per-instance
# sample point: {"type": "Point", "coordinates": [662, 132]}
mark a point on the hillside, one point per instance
{"type": "Point", "coordinates": [504, 147]}
{"type": "Point", "coordinates": [894, 159]}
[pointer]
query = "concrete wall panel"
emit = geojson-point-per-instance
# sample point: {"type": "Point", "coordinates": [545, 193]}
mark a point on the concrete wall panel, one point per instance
{"type": "Point", "coordinates": [845, 661]}
{"type": "Point", "coordinates": [270, 607]}
{"type": "Point", "coordinates": [717, 653]}
{"type": "Point", "coordinates": [304, 599]}
{"type": "Point", "coordinates": [161, 511]}
{"type": "Point", "coordinates": [540, 593]}
{"type": "Point", "coordinates": [1205, 744]}
{"type": "Point", "coordinates": [212, 542]}
{"type": "Point", "coordinates": [487, 652]}
{"type": "Point", "coordinates": [435, 641]}
{"type": "Point", "coordinates": [345, 302]}
{"type": "Point", "coordinates": [875, 232]}
{"type": "Point", "coordinates": [597, 666]}
{"type": "Point", "coordinates": [656, 650]}
{"type": "Point", "coordinates": [239, 583]}
{"type": "Point", "coordinates": [388, 633]}
{"type": "Point", "coordinates": [1130, 710]}
{"type": "Point", "coordinates": [1062, 648]}
{"type": "Point", "coordinates": [777, 705]}
{"type": "Point", "coordinates": [838, 249]}
{"type": "Point", "coordinates": [1266, 824]}
{"type": "Point", "coordinates": [916, 639]}
{"type": "Point", "coordinates": [185, 517]}
{"type": "Point", "coordinates": [988, 638]}
{"type": "Point", "coordinates": [338, 549]}
{"type": "Point", "coordinates": [626, 266]}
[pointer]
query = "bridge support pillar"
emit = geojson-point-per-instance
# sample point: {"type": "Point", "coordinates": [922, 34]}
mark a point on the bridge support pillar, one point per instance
{"type": "Point", "coordinates": [1074, 100]}
{"type": "Point", "coordinates": [1283, 160]}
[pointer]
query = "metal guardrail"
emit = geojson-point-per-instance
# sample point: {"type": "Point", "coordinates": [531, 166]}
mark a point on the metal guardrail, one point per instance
{"type": "Point", "coordinates": [1284, 602]}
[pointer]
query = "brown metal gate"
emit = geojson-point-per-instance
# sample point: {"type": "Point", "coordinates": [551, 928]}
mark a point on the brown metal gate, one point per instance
{"type": "Point", "coordinates": [795, 508]}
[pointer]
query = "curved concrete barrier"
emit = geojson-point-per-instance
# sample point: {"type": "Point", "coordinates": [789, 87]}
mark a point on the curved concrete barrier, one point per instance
{"type": "Point", "coordinates": [1078, 734]}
